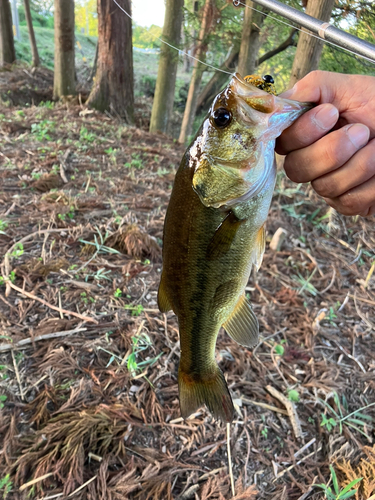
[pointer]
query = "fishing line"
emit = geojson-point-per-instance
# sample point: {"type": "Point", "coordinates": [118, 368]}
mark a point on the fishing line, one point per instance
{"type": "Point", "coordinates": [236, 3]}
{"type": "Point", "coordinates": [176, 48]}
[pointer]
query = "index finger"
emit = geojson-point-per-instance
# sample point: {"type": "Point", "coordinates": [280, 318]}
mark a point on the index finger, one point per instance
{"type": "Point", "coordinates": [307, 129]}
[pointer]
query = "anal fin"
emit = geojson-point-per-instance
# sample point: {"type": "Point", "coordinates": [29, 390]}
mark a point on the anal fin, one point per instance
{"type": "Point", "coordinates": [242, 325]}
{"type": "Point", "coordinates": [164, 303]}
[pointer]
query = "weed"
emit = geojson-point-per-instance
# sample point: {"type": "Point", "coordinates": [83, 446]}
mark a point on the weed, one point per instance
{"type": "Point", "coordinates": [293, 395]}
{"type": "Point", "coordinates": [5, 483]}
{"type": "Point", "coordinates": [279, 349]}
{"type": "Point", "coordinates": [86, 136]}
{"type": "Point", "coordinates": [264, 432]}
{"type": "Point", "coordinates": [3, 398]}
{"type": "Point", "coordinates": [112, 154]}
{"type": "Point", "coordinates": [117, 294]}
{"type": "Point", "coordinates": [355, 419]}
{"type": "Point", "coordinates": [100, 274]}
{"type": "Point", "coordinates": [47, 104]}
{"type": "Point", "coordinates": [338, 494]}
{"type": "Point", "coordinates": [3, 226]}
{"type": "Point", "coordinates": [140, 343]}
{"type": "Point", "coordinates": [135, 310]}
{"type": "Point", "coordinates": [136, 161]}
{"type": "Point", "coordinates": [18, 251]}
{"type": "Point", "coordinates": [4, 369]}
{"type": "Point", "coordinates": [42, 129]}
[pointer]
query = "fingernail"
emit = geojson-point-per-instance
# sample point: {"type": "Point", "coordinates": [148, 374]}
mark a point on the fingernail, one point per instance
{"type": "Point", "coordinates": [326, 117]}
{"type": "Point", "coordinates": [358, 134]}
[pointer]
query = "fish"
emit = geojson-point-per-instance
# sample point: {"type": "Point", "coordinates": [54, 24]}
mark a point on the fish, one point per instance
{"type": "Point", "coordinates": [214, 234]}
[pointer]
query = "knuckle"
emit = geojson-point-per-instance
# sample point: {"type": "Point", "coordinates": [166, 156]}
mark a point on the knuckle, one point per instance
{"type": "Point", "coordinates": [294, 169]}
{"type": "Point", "coordinates": [351, 204]}
{"type": "Point", "coordinates": [325, 187]}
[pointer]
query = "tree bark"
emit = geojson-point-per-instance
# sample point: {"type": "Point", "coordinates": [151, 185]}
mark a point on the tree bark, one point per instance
{"type": "Point", "coordinates": [309, 49]}
{"type": "Point", "coordinates": [113, 85]}
{"type": "Point", "coordinates": [198, 68]}
{"type": "Point", "coordinates": [218, 80]}
{"type": "Point", "coordinates": [64, 75]}
{"type": "Point", "coordinates": [34, 49]}
{"type": "Point", "coordinates": [7, 51]}
{"type": "Point", "coordinates": [250, 41]}
{"type": "Point", "coordinates": [166, 80]}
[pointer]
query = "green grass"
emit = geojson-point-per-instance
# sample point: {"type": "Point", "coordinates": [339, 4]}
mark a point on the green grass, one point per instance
{"type": "Point", "coordinates": [46, 46]}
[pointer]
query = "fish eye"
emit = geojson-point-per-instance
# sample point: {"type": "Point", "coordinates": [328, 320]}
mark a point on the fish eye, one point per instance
{"type": "Point", "coordinates": [268, 79]}
{"type": "Point", "coordinates": [222, 117]}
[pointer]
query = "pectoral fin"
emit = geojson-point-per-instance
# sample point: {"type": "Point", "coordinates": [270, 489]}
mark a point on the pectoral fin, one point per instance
{"type": "Point", "coordinates": [242, 325]}
{"type": "Point", "coordinates": [260, 246]}
{"type": "Point", "coordinates": [223, 237]}
{"type": "Point", "coordinates": [164, 303]}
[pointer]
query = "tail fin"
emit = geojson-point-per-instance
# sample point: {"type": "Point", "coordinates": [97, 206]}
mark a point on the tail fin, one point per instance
{"type": "Point", "coordinates": [210, 389]}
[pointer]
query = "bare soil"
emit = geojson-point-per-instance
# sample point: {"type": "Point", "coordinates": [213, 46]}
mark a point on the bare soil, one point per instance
{"type": "Point", "coordinates": [88, 365]}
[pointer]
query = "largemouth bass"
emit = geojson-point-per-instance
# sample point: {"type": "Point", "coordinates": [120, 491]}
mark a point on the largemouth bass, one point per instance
{"type": "Point", "coordinates": [214, 234]}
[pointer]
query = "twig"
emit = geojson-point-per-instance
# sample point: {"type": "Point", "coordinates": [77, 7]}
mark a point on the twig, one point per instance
{"type": "Point", "coordinates": [371, 302]}
{"type": "Point", "coordinates": [307, 445]}
{"type": "Point", "coordinates": [291, 409]}
{"type": "Point", "coordinates": [18, 376]}
{"type": "Point", "coordinates": [331, 283]}
{"type": "Point", "coordinates": [230, 461]}
{"type": "Point", "coordinates": [34, 481]}
{"type": "Point", "coordinates": [297, 463]}
{"type": "Point", "coordinates": [350, 356]}
{"type": "Point", "coordinates": [82, 486]}
{"type": "Point", "coordinates": [55, 308]}
{"type": "Point", "coordinates": [22, 344]}
{"type": "Point", "coordinates": [265, 405]}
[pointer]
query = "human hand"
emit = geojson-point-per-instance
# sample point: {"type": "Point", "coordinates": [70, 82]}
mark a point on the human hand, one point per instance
{"type": "Point", "coordinates": [339, 163]}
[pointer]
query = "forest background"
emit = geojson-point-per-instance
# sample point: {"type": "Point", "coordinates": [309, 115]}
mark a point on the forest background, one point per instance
{"type": "Point", "coordinates": [88, 365]}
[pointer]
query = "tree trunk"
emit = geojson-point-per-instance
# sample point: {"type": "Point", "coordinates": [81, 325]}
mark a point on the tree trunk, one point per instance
{"type": "Point", "coordinates": [7, 52]}
{"type": "Point", "coordinates": [34, 49]}
{"type": "Point", "coordinates": [64, 75]}
{"type": "Point", "coordinates": [113, 86]}
{"type": "Point", "coordinates": [309, 49]}
{"type": "Point", "coordinates": [166, 80]}
{"type": "Point", "coordinates": [250, 41]}
{"type": "Point", "coordinates": [198, 68]}
{"type": "Point", "coordinates": [218, 80]}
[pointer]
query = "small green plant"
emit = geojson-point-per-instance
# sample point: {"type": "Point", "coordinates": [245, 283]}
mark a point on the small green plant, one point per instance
{"type": "Point", "coordinates": [293, 395]}
{"type": "Point", "coordinates": [140, 343]}
{"type": "Point", "coordinates": [264, 432]}
{"type": "Point", "coordinates": [117, 294]}
{"type": "Point", "coordinates": [356, 419]}
{"type": "Point", "coordinates": [86, 136]}
{"type": "Point", "coordinates": [3, 398]}
{"type": "Point", "coordinates": [111, 152]}
{"type": "Point", "coordinates": [42, 130]}
{"type": "Point", "coordinates": [3, 226]}
{"type": "Point", "coordinates": [279, 349]}
{"type": "Point", "coordinates": [36, 175]}
{"type": "Point", "coordinates": [3, 372]}
{"type": "Point", "coordinates": [6, 484]}
{"type": "Point", "coordinates": [18, 251]}
{"type": "Point", "coordinates": [135, 310]}
{"type": "Point", "coordinates": [338, 494]}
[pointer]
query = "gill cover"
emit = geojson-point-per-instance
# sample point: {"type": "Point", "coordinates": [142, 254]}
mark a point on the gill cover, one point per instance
{"type": "Point", "coordinates": [238, 158]}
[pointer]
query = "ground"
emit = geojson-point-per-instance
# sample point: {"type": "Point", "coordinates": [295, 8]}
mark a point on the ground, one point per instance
{"type": "Point", "coordinates": [88, 365]}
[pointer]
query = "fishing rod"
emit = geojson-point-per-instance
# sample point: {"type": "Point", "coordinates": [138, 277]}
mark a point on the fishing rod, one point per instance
{"type": "Point", "coordinates": [325, 31]}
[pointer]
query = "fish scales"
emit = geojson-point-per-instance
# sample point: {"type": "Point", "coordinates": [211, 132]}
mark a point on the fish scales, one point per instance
{"type": "Point", "coordinates": [214, 234]}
